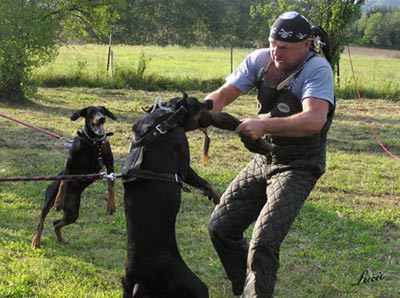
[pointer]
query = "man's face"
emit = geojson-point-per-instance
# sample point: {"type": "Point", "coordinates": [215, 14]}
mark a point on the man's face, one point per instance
{"type": "Point", "coordinates": [287, 55]}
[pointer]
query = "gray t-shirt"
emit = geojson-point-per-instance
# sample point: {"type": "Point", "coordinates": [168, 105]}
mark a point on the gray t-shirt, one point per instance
{"type": "Point", "coordinates": [315, 80]}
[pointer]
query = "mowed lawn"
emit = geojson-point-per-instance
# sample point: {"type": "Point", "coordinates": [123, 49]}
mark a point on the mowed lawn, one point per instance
{"type": "Point", "coordinates": [349, 224]}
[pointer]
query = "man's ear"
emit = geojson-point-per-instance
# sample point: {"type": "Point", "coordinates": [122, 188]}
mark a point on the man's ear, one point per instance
{"type": "Point", "coordinates": [80, 113]}
{"type": "Point", "coordinates": [209, 104]}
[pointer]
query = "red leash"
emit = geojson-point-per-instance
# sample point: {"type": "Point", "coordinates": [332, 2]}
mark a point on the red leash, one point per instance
{"type": "Point", "coordinates": [49, 133]}
{"type": "Point", "coordinates": [365, 111]}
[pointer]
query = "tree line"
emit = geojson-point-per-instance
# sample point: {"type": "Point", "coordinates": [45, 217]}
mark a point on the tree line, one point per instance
{"type": "Point", "coordinates": [241, 23]}
{"type": "Point", "coordinates": [32, 30]}
{"type": "Point", "coordinates": [378, 27]}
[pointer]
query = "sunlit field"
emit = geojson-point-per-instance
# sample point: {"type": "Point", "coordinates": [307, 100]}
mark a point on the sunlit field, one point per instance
{"type": "Point", "coordinates": [350, 224]}
{"type": "Point", "coordinates": [376, 71]}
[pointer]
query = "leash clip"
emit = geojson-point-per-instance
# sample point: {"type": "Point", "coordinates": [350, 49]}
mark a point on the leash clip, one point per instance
{"type": "Point", "coordinates": [110, 176]}
{"type": "Point", "coordinates": [67, 142]}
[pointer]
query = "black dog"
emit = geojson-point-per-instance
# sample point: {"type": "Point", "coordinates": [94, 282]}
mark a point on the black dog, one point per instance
{"type": "Point", "coordinates": [157, 164]}
{"type": "Point", "coordinates": [89, 151]}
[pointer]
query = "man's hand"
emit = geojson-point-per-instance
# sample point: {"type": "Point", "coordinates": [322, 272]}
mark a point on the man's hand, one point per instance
{"type": "Point", "coordinates": [253, 128]}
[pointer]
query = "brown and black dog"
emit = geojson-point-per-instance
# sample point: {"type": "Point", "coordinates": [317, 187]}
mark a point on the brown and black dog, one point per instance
{"type": "Point", "coordinates": [90, 150]}
{"type": "Point", "coordinates": [156, 166]}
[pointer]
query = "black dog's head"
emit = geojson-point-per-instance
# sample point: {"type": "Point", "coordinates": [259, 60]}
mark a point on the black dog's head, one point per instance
{"type": "Point", "coordinates": [198, 113]}
{"type": "Point", "coordinates": [95, 117]}
{"type": "Point", "coordinates": [195, 115]}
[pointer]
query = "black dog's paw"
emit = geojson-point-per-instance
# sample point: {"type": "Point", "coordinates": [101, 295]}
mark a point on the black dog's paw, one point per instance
{"type": "Point", "coordinates": [211, 194]}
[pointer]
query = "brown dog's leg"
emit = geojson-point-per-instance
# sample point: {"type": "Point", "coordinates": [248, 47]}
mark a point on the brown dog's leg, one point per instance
{"type": "Point", "coordinates": [58, 224]}
{"type": "Point", "coordinates": [60, 198]}
{"type": "Point", "coordinates": [71, 214]}
{"type": "Point", "coordinates": [110, 198]}
{"type": "Point", "coordinates": [51, 192]}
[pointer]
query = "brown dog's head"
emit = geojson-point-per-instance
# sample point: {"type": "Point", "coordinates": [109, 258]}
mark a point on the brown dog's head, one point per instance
{"type": "Point", "coordinates": [95, 117]}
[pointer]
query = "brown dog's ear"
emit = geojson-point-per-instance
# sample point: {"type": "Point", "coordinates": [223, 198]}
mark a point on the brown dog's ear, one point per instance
{"type": "Point", "coordinates": [109, 114]}
{"type": "Point", "coordinates": [209, 104]}
{"type": "Point", "coordinates": [80, 113]}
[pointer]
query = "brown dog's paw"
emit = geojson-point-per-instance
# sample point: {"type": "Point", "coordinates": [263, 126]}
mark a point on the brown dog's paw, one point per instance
{"type": "Point", "coordinates": [35, 242]}
{"type": "Point", "coordinates": [110, 210]}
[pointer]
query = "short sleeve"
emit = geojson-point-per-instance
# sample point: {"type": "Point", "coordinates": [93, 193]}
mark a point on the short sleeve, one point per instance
{"type": "Point", "coordinates": [316, 80]}
{"type": "Point", "coordinates": [245, 76]}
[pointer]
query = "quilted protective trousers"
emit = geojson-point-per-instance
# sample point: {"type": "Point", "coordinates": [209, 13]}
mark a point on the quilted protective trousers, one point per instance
{"type": "Point", "coordinates": [271, 195]}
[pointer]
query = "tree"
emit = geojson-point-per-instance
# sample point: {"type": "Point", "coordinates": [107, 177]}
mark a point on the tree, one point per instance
{"type": "Point", "coordinates": [332, 15]}
{"type": "Point", "coordinates": [378, 27]}
{"type": "Point", "coordinates": [31, 31]}
{"type": "Point", "coordinates": [160, 22]}
{"type": "Point", "coordinates": [373, 28]}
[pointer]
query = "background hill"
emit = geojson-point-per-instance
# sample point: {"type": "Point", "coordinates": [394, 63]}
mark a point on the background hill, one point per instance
{"type": "Point", "coordinates": [385, 3]}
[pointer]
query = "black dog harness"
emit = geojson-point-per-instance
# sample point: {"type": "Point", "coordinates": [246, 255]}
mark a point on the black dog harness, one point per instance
{"type": "Point", "coordinates": [161, 128]}
{"type": "Point", "coordinates": [97, 141]}
{"type": "Point", "coordinates": [132, 170]}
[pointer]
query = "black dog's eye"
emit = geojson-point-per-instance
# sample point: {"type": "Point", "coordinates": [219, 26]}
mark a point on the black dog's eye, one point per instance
{"type": "Point", "coordinates": [92, 112]}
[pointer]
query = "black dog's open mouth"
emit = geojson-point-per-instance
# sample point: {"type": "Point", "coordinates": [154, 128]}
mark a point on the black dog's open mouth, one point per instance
{"type": "Point", "coordinates": [98, 129]}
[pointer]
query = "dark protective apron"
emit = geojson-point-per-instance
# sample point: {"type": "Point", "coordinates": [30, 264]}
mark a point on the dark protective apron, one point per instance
{"type": "Point", "coordinates": [300, 152]}
{"type": "Point", "coordinates": [270, 190]}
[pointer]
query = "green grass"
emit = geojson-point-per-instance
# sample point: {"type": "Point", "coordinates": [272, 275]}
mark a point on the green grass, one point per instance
{"type": "Point", "coordinates": [175, 68]}
{"type": "Point", "coordinates": [349, 224]}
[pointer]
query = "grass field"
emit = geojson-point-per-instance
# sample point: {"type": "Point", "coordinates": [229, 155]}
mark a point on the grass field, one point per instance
{"type": "Point", "coordinates": [349, 224]}
{"type": "Point", "coordinates": [376, 70]}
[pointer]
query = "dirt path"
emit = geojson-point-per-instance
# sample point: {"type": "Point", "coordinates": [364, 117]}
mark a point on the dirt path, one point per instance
{"type": "Point", "coordinates": [354, 50]}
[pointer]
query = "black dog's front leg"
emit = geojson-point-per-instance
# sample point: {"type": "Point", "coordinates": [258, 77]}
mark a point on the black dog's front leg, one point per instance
{"type": "Point", "coordinates": [195, 180]}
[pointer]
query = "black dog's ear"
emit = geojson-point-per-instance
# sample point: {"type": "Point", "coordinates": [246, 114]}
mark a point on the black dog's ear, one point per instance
{"type": "Point", "coordinates": [176, 103]}
{"type": "Point", "coordinates": [109, 114]}
{"type": "Point", "coordinates": [147, 109]}
{"type": "Point", "coordinates": [209, 104]}
{"type": "Point", "coordinates": [80, 113]}
{"type": "Point", "coordinates": [185, 95]}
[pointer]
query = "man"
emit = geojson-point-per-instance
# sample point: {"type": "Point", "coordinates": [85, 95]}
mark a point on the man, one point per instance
{"type": "Point", "coordinates": [296, 103]}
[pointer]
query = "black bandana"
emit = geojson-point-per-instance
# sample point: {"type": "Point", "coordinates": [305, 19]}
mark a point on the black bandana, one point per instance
{"type": "Point", "coordinates": [291, 27]}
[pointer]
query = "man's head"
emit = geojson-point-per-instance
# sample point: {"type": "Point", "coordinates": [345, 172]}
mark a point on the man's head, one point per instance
{"type": "Point", "coordinates": [290, 40]}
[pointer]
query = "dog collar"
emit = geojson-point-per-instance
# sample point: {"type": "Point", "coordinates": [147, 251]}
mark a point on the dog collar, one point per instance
{"type": "Point", "coordinates": [94, 140]}
{"type": "Point", "coordinates": [162, 128]}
